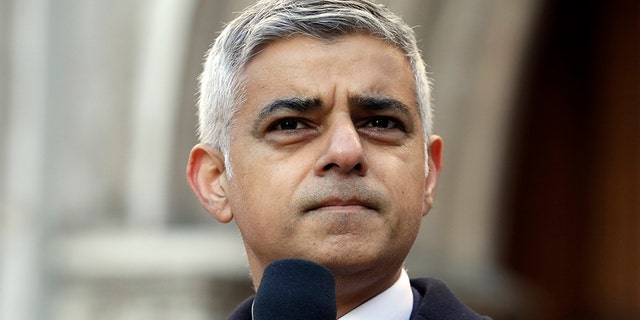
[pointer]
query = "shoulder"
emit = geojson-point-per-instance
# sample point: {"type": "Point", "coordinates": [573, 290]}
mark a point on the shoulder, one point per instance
{"type": "Point", "coordinates": [243, 311]}
{"type": "Point", "coordinates": [434, 300]}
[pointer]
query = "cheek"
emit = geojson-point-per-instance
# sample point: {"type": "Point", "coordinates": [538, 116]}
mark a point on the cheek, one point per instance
{"type": "Point", "coordinates": [260, 199]}
{"type": "Point", "coordinates": [406, 185]}
{"type": "Point", "coordinates": [404, 169]}
{"type": "Point", "coordinates": [252, 209]}
{"type": "Point", "coordinates": [260, 191]}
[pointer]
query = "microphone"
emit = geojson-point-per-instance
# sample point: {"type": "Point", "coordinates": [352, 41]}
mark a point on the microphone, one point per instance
{"type": "Point", "coordinates": [295, 289]}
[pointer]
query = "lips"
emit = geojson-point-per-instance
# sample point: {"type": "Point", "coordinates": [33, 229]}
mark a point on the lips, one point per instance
{"type": "Point", "coordinates": [337, 204]}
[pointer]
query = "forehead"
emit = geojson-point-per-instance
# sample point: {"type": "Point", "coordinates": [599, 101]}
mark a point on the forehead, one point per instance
{"type": "Point", "coordinates": [352, 64]}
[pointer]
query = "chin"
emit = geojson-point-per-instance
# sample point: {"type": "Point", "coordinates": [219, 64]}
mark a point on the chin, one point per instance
{"type": "Point", "coordinates": [352, 261]}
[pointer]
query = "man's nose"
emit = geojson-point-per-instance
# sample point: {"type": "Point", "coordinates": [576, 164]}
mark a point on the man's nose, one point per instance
{"type": "Point", "coordinates": [342, 150]}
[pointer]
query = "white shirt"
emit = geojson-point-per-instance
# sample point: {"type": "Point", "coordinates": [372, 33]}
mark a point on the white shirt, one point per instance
{"type": "Point", "coordinates": [395, 303]}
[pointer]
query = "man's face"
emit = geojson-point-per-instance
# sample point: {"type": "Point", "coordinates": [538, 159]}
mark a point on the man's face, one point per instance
{"type": "Point", "coordinates": [328, 155]}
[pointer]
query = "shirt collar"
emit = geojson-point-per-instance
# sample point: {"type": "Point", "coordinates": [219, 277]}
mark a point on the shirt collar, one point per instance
{"type": "Point", "coordinates": [395, 303]}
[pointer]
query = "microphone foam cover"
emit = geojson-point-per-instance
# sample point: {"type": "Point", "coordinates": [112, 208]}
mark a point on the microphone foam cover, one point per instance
{"type": "Point", "coordinates": [295, 289]}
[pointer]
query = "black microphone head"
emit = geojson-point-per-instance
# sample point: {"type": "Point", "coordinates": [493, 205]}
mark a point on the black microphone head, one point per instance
{"type": "Point", "coordinates": [295, 289]}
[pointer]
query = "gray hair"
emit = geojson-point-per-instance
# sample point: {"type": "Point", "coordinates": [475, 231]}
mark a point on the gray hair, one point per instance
{"type": "Point", "coordinates": [222, 89]}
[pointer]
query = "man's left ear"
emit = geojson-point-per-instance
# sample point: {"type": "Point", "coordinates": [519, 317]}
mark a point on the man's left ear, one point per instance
{"type": "Point", "coordinates": [435, 165]}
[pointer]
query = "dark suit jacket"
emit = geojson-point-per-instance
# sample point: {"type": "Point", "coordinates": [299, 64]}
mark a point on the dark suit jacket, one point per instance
{"type": "Point", "coordinates": [432, 300]}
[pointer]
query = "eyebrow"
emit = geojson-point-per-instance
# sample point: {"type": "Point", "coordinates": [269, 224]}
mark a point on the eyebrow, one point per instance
{"type": "Point", "coordinates": [373, 103]}
{"type": "Point", "coordinates": [300, 105]}
{"type": "Point", "coordinates": [303, 105]}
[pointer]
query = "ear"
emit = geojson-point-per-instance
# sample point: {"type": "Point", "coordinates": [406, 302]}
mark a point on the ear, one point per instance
{"type": "Point", "coordinates": [435, 165]}
{"type": "Point", "coordinates": [206, 176]}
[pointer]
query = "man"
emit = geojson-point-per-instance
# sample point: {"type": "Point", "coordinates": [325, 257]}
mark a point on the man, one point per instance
{"type": "Point", "coordinates": [315, 130]}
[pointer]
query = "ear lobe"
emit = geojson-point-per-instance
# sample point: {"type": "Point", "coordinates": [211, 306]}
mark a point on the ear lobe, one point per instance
{"type": "Point", "coordinates": [435, 166]}
{"type": "Point", "coordinates": [206, 176]}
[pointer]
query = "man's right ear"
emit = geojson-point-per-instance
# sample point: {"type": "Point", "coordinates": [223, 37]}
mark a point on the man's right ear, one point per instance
{"type": "Point", "coordinates": [207, 178]}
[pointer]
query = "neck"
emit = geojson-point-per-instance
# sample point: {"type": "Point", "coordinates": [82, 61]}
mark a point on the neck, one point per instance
{"type": "Point", "coordinates": [354, 290]}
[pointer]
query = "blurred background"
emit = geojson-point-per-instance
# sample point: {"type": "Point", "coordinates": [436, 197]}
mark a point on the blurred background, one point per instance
{"type": "Point", "coordinates": [537, 214]}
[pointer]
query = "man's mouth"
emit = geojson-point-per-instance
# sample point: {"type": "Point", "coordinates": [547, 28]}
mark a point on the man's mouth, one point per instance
{"type": "Point", "coordinates": [341, 205]}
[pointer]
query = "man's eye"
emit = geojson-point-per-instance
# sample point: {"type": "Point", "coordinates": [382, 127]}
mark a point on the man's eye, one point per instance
{"type": "Point", "coordinates": [383, 123]}
{"type": "Point", "coordinates": [287, 124]}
